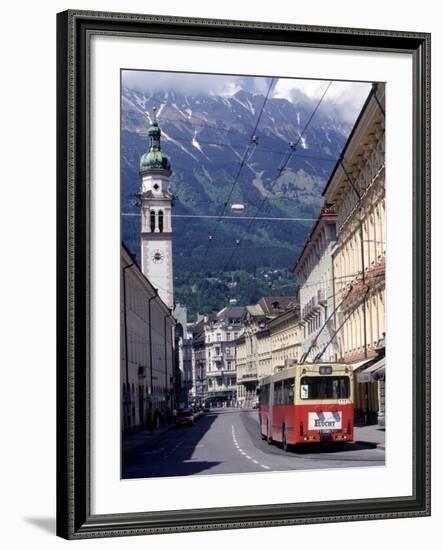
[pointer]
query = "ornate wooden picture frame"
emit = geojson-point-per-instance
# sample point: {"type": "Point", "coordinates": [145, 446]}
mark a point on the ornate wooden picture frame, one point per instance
{"type": "Point", "coordinates": [75, 519]}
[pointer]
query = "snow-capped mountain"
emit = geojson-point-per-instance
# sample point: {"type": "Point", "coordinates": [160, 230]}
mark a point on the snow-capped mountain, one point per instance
{"type": "Point", "coordinates": [206, 137]}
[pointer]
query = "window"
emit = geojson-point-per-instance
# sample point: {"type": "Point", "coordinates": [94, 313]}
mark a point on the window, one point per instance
{"type": "Point", "coordinates": [288, 391]}
{"type": "Point", "coordinates": [277, 393]}
{"type": "Point", "coordinates": [152, 220]}
{"type": "Point", "coordinates": [264, 394]}
{"type": "Point", "coordinates": [325, 387]}
{"type": "Point", "coordinates": [160, 221]}
{"type": "Point", "coordinates": [228, 336]}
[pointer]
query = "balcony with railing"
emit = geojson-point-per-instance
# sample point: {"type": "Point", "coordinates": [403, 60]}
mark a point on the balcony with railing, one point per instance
{"type": "Point", "coordinates": [373, 274]}
{"type": "Point", "coordinates": [249, 374]}
{"type": "Point", "coordinates": [217, 357]}
{"type": "Point", "coordinates": [321, 297]}
{"type": "Point", "coordinates": [310, 308]}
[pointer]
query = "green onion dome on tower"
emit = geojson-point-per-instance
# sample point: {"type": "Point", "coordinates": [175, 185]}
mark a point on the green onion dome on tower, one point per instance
{"type": "Point", "coordinates": [154, 159]}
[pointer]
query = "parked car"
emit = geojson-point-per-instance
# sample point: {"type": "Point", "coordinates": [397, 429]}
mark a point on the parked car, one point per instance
{"type": "Point", "coordinates": [185, 418]}
{"type": "Point", "coordinates": [197, 411]}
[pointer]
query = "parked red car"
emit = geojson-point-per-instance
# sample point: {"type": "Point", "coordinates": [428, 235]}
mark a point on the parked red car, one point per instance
{"type": "Point", "coordinates": [185, 418]}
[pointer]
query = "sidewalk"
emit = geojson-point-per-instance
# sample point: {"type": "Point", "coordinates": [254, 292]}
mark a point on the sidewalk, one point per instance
{"type": "Point", "coordinates": [370, 435]}
{"type": "Point", "coordinates": [131, 442]}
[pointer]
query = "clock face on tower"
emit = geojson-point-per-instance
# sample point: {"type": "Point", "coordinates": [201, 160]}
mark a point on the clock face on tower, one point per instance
{"type": "Point", "coordinates": [157, 257]}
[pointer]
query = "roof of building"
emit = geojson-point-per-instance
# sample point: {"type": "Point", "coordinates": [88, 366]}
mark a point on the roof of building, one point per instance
{"type": "Point", "coordinates": [327, 215]}
{"type": "Point", "coordinates": [235, 312]}
{"type": "Point", "coordinates": [198, 338]}
{"type": "Point", "coordinates": [352, 133]}
{"type": "Point", "coordinates": [255, 310]}
{"type": "Point", "coordinates": [284, 315]}
{"type": "Point", "coordinates": [273, 305]}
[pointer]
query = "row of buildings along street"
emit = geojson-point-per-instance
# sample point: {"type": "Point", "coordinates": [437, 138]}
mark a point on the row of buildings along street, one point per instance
{"type": "Point", "coordinates": [218, 361]}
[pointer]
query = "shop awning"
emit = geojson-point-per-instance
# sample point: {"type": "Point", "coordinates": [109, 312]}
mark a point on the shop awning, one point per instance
{"type": "Point", "coordinates": [360, 364]}
{"type": "Point", "coordinates": [376, 371]}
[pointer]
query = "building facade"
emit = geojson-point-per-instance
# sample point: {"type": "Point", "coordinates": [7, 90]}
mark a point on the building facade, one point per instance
{"type": "Point", "coordinates": [285, 339]}
{"type": "Point", "coordinates": [184, 354]}
{"type": "Point", "coordinates": [198, 391]}
{"type": "Point", "coordinates": [314, 274]}
{"type": "Point", "coordinates": [241, 365]}
{"type": "Point", "coordinates": [254, 347]}
{"type": "Point", "coordinates": [220, 332]}
{"type": "Point", "coordinates": [357, 191]}
{"type": "Point", "coordinates": [147, 349]}
{"type": "Point", "coordinates": [247, 356]}
{"type": "Point", "coordinates": [264, 350]}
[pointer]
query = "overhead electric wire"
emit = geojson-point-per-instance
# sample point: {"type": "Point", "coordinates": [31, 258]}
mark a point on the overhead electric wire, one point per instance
{"type": "Point", "coordinates": [340, 278]}
{"type": "Point", "coordinates": [245, 158]}
{"type": "Point", "coordinates": [211, 216]}
{"type": "Point", "coordinates": [239, 241]}
{"type": "Point", "coordinates": [280, 171]}
{"type": "Point", "coordinates": [258, 148]}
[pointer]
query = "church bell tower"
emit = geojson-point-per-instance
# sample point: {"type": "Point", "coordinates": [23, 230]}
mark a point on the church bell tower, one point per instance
{"type": "Point", "coordinates": [156, 221]}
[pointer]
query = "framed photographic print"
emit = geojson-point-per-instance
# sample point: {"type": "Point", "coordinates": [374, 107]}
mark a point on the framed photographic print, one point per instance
{"type": "Point", "coordinates": [243, 225]}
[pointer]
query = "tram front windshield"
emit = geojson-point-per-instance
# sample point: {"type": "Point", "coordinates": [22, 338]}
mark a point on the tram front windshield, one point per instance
{"type": "Point", "coordinates": [325, 387]}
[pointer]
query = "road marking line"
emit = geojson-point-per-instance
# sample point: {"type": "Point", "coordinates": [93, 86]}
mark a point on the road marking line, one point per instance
{"type": "Point", "coordinates": [244, 453]}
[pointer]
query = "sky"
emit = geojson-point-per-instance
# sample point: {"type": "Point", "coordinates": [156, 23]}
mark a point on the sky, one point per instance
{"type": "Point", "coordinates": [347, 98]}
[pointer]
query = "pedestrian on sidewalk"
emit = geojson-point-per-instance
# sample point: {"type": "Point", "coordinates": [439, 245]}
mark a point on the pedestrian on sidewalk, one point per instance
{"type": "Point", "coordinates": [150, 419]}
{"type": "Point", "coordinates": [174, 413]}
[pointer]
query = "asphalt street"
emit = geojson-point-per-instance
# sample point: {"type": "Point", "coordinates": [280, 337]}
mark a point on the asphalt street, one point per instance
{"type": "Point", "coordinates": [228, 441]}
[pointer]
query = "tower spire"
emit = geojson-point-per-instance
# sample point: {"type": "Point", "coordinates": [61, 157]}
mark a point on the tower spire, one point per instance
{"type": "Point", "coordinates": [154, 158]}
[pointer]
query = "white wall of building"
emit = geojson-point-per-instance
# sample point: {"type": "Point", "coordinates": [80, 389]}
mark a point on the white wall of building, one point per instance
{"type": "Point", "coordinates": [147, 369]}
{"type": "Point", "coordinates": [220, 334]}
{"type": "Point", "coordinates": [314, 273]}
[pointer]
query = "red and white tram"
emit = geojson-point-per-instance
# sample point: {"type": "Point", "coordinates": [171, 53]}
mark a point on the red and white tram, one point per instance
{"type": "Point", "coordinates": [307, 403]}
